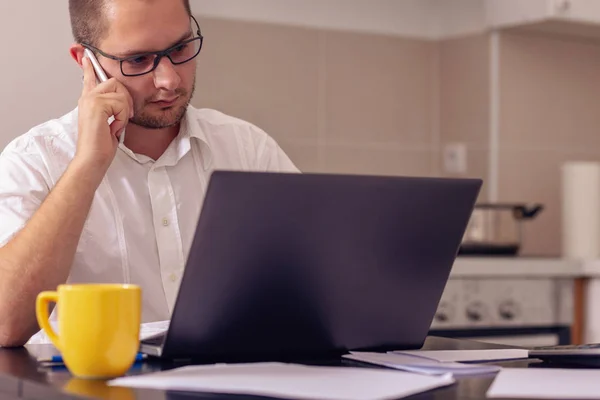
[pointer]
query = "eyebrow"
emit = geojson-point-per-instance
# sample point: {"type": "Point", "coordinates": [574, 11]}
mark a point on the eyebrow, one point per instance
{"type": "Point", "coordinates": [140, 52]}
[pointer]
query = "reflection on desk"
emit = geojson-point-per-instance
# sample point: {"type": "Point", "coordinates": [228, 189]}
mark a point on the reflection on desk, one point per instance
{"type": "Point", "coordinates": [21, 377]}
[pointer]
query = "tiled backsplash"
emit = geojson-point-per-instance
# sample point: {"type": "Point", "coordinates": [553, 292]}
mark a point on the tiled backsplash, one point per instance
{"type": "Point", "coordinates": [336, 102]}
{"type": "Point", "coordinates": [374, 104]}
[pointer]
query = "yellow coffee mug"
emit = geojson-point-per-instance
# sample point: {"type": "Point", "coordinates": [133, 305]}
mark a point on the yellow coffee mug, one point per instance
{"type": "Point", "coordinates": [99, 327]}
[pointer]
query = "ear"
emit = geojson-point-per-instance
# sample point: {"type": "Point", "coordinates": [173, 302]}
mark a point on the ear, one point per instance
{"type": "Point", "coordinates": [76, 51]}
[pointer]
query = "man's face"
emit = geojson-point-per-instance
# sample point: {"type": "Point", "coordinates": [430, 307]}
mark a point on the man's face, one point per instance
{"type": "Point", "coordinates": [160, 98]}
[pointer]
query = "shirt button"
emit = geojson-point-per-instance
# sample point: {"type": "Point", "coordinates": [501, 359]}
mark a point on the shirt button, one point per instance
{"type": "Point", "coordinates": [173, 277]}
{"type": "Point", "coordinates": [165, 222]}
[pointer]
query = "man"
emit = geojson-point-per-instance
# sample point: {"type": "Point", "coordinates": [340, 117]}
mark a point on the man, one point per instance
{"type": "Point", "coordinates": [78, 206]}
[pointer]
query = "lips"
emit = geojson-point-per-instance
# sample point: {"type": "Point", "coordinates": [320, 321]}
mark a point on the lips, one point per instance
{"type": "Point", "coordinates": [166, 102]}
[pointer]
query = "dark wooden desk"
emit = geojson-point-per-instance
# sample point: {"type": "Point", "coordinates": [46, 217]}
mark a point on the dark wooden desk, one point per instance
{"type": "Point", "coordinates": [22, 378]}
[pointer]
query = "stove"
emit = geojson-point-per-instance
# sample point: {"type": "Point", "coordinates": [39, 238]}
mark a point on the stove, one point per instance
{"type": "Point", "coordinates": [508, 301]}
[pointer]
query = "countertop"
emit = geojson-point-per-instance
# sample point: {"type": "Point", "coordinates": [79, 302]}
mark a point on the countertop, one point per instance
{"type": "Point", "coordinates": [533, 267]}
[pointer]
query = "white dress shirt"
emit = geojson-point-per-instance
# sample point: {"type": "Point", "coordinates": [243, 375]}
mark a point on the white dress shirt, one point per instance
{"type": "Point", "coordinates": [143, 217]}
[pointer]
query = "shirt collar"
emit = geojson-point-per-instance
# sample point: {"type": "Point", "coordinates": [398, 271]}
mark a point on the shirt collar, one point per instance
{"type": "Point", "coordinates": [181, 145]}
{"type": "Point", "coordinates": [194, 130]}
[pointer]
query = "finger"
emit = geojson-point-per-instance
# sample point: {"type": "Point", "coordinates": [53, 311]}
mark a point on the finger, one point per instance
{"type": "Point", "coordinates": [116, 105]}
{"type": "Point", "coordinates": [89, 76]}
{"type": "Point", "coordinates": [131, 106]}
{"type": "Point", "coordinates": [122, 90]}
{"type": "Point", "coordinates": [114, 86]}
{"type": "Point", "coordinates": [117, 128]}
{"type": "Point", "coordinates": [109, 86]}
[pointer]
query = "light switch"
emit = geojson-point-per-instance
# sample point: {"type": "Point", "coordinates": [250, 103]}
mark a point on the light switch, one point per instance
{"type": "Point", "coordinates": [455, 158]}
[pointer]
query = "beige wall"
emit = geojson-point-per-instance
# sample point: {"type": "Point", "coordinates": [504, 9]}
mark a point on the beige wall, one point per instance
{"type": "Point", "coordinates": [335, 101]}
{"type": "Point", "coordinates": [549, 114]}
{"type": "Point", "coordinates": [39, 79]}
{"type": "Point", "coordinates": [465, 102]}
{"type": "Point", "coordinates": [363, 103]}
{"type": "Point", "coordinates": [549, 99]}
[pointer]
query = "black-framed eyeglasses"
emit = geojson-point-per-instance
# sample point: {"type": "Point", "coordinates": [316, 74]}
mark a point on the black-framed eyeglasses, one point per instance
{"type": "Point", "coordinates": [141, 64]}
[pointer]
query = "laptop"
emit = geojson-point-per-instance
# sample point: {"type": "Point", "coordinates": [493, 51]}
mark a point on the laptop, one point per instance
{"type": "Point", "coordinates": [305, 266]}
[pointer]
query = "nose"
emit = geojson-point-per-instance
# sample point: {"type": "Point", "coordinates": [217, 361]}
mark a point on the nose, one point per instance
{"type": "Point", "coordinates": [165, 75]}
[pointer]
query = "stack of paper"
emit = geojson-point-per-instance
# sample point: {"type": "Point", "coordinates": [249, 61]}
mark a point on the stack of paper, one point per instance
{"type": "Point", "coordinates": [469, 355]}
{"type": "Point", "coordinates": [147, 330]}
{"type": "Point", "coordinates": [291, 381]}
{"type": "Point", "coordinates": [546, 383]}
{"type": "Point", "coordinates": [421, 365]}
{"type": "Point", "coordinates": [152, 329]}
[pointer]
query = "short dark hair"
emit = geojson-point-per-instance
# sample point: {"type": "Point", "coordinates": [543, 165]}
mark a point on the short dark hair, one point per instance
{"type": "Point", "coordinates": [88, 21]}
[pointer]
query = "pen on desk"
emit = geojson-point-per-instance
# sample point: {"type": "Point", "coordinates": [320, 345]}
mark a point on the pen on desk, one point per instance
{"type": "Point", "coordinates": [57, 359]}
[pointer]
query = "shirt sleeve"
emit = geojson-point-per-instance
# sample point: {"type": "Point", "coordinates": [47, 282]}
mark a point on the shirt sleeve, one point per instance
{"type": "Point", "coordinates": [274, 159]}
{"type": "Point", "coordinates": [270, 157]}
{"type": "Point", "coordinates": [23, 188]}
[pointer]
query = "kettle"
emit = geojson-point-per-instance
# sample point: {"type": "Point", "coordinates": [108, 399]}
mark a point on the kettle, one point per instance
{"type": "Point", "coordinates": [495, 229]}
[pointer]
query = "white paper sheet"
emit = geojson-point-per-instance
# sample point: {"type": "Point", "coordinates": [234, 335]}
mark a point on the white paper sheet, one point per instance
{"type": "Point", "coordinates": [290, 381]}
{"type": "Point", "coordinates": [469, 355]}
{"type": "Point", "coordinates": [421, 365]}
{"type": "Point", "coordinates": [546, 383]}
{"type": "Point", "coordinates": [151, 329]}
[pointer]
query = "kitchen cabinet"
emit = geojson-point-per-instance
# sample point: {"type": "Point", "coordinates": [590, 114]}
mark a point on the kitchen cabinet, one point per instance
{"type": "Point", "coordinates": [564, 17]}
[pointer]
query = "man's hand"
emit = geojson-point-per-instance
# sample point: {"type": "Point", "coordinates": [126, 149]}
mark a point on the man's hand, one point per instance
{"type": "Point", "coordinates": [97, 142]}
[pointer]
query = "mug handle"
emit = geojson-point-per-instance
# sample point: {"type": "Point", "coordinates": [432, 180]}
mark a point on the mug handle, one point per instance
{"type": "Point", "coordinates": [41, 312]}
